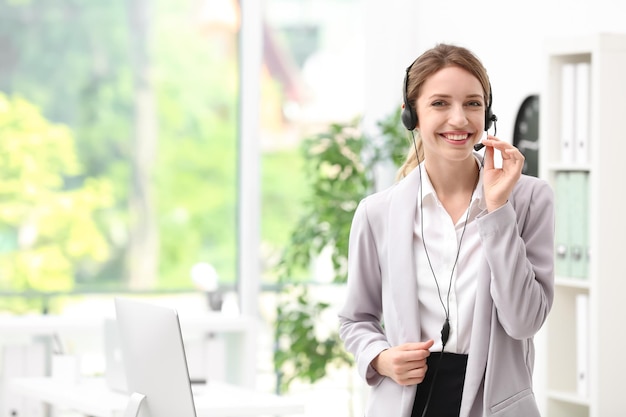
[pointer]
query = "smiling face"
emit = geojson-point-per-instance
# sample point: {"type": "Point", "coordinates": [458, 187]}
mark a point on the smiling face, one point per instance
{"type": "Point", "coordinates": [451, 113]}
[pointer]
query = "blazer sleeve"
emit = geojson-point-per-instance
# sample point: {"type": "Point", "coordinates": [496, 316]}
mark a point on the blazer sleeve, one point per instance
{"type": "Point", "coordinates": [518, 242]}
{"type": "Point", "coordinates": [360, 318]}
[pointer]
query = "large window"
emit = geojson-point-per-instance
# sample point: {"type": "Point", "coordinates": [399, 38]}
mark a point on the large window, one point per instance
{"type": "Point", "coordinates": [119, 136]}
{"type": "Point", "coordinates": [118, 144]}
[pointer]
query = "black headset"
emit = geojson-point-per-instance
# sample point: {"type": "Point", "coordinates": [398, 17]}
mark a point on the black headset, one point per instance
{"type": "Point", "coordinates": [409, 115]}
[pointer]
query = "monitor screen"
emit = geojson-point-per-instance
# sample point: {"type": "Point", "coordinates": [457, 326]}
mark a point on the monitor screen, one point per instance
{"type": "Point", "coordinates": [154, 358]}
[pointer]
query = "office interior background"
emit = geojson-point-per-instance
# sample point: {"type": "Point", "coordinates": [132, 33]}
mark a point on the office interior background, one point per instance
{"type": "Point", "coordinates": [161, 150]}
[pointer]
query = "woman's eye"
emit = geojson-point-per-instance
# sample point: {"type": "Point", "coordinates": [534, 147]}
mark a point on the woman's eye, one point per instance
{"type": "Point", "coordinates": [475, 104]}
{"type": "Point", "coordinates": [438, 103]}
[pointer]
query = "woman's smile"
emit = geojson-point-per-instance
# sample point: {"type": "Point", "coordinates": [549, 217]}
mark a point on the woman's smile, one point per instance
{"type": "Point", "coordinates": [456, 138]}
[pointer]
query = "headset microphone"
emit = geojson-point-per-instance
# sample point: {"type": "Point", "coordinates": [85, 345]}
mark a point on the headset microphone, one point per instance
{"type": "Point", "coordinates": [492, 119]}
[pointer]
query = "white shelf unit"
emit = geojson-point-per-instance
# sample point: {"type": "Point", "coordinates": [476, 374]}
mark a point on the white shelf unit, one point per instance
{"type": "Point", "coordinates": [605, 280]}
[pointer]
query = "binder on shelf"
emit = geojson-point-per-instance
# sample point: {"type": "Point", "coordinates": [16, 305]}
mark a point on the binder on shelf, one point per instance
{"type": "Point", "coordinates": [568, 111]}
{"type": "Point", "coordinates": [582, 345]}
{"type": "Point", "coordinates": [582, 114]}
{"type": "Point", "coordinates": [578, 223]}
{"type": "Point", "coordinates": [571, 190]}
{"type": "Point", "coordinates": [562, 238]}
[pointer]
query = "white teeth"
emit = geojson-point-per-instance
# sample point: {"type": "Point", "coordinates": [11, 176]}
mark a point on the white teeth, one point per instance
{"type": "Point", "coordinates": [456, 137]}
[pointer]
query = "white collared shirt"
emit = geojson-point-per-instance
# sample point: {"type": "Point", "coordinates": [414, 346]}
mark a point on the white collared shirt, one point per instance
{"type": "Point", "coordinates": [442, 243]}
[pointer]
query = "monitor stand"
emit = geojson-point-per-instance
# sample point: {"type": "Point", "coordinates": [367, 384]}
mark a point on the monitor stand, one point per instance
{"type": "Point", "coordinates": [134, 405]}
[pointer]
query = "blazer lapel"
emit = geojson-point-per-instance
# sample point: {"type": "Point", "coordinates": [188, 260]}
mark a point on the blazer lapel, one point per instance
{"type": "Point", "coordinates": [479, 345]}
{"type": "Point", "coordinates": [402, 275]}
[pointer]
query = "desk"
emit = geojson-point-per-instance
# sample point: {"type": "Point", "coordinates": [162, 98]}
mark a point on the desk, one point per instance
{"type": "Point", "coordinates": [91, 396]}
{"type": "Point", "coordinates": [239, 332]}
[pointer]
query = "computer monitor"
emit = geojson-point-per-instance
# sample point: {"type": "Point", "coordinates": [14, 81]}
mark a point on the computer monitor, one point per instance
{"type": "Point", "coordinates": [154, 358]}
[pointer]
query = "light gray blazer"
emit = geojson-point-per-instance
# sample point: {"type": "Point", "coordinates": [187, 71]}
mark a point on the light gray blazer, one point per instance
{"type": "Point", "coordinates": [513, 297]}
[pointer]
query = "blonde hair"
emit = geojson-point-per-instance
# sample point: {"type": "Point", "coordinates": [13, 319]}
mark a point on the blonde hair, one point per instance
{"type": "Point", "coordinates": [431, 61]}
{"type": "Point", "coordinates": [411, 162]}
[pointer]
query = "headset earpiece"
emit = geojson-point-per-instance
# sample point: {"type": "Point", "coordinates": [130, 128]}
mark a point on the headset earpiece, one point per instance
{"type": "Point", "coordinates": [489, 119]}
{"type": "Point", "coordinates": [408, 115]}
{"type": "Point", "coordinates": [489, 116]}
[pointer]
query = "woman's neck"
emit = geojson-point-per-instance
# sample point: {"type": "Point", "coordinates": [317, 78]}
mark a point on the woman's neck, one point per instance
{"type": "Point", "coordinates": [454, 185]}
{"type": "Point", "coordinates": [453, 178]}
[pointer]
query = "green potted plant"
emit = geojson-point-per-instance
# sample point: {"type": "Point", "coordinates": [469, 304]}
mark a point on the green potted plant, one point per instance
{"type": "Point", "coordinates": [340, 166]}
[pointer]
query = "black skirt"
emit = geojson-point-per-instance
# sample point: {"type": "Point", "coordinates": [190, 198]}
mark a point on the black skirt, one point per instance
{"type": "Point", "coordinates": [445, 376]}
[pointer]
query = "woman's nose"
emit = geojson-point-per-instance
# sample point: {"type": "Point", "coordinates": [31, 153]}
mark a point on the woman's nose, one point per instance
{"type": "Point", "coordinates": [458, 117]}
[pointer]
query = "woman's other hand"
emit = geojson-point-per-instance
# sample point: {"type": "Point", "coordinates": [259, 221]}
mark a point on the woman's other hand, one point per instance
{"type": "Point", "coordinates": [405, 364]}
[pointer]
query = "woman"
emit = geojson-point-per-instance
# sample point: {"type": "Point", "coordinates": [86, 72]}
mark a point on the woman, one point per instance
{"type": "Point", "coordinates": [450, 271]}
